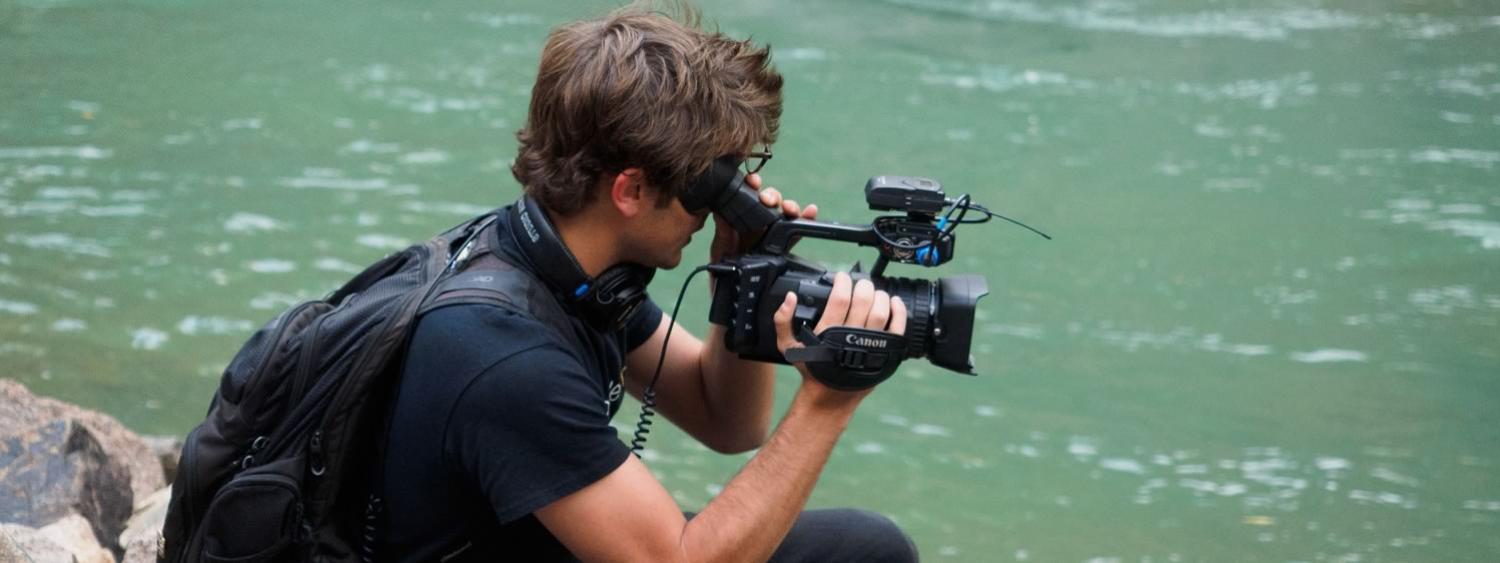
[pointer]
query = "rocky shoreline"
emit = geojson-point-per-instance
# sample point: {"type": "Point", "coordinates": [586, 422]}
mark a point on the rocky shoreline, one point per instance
{"type": "Point", "coordinates": [76, 485]}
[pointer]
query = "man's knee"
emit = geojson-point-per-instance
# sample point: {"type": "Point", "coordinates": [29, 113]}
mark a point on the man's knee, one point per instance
{"type": "Point", "coordinates": [846, 534]}
{"type": "Point", "coordinates": [887, 541]}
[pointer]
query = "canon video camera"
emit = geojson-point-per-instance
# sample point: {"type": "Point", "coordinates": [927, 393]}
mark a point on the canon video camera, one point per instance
{"type": "Point", "coordinates": [749, 288]}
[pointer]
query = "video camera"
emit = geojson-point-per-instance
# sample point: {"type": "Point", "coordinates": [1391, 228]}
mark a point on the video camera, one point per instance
{"type": "Point", "coordinates": [749, 288]}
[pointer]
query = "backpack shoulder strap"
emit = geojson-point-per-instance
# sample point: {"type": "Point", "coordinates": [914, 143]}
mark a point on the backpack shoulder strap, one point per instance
{"type": "Point", "coordinates": [484, 278]}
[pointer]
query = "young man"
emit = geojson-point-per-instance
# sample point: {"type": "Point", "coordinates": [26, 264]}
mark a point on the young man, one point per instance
{"type": "Point", "coordinates": [500, 445]}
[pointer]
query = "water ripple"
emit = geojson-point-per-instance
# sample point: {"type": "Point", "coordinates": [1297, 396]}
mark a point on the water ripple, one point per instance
{"type": "Point", "coordinates": [1273, 24]}
{"type": "Point", "coordinates": [146, 338]}
{"type": "Point", "coordinates": [17, 307]}
{"type": "Point", "coordinates": [250, 222]}
{"type": "Point", "coordinates": [1329, 355]}
{"type": "Point", "coordinates": [86, 152]}
{"type": "Point", "coordinates": [60, 242]}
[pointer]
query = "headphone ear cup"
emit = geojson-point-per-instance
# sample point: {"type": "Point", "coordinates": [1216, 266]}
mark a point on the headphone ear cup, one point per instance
{"type": "Point", "coordinates": [605, 301]}
{"type": "Point", "coordinates": [616, 293]}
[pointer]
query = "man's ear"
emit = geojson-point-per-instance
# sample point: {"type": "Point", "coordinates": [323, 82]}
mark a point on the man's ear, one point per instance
{"type": "Point", "coordinates": [630, 193]}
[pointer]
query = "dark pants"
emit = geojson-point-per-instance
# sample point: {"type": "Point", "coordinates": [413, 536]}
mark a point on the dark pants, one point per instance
{"type": "Point", "coordinates": [844, 534]}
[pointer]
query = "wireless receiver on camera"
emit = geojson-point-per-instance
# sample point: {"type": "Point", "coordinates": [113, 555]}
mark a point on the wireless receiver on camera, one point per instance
{"type": "Point", "coordinates": [749, 288]}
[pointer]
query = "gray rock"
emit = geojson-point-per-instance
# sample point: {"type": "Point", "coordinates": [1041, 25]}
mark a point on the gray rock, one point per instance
{"type": "Point", "coordinates": [167, 450]}
{"type": "Point", "coordinates": [9, 551]}
{"type": "Point", "coordinates": [143, 533]}
{"type": "Point", "coordinates": [58, 469]}
{"type": "Point", "coordinates": [19, 409]}
{"type": "Point", "coordinates": [68, 540]}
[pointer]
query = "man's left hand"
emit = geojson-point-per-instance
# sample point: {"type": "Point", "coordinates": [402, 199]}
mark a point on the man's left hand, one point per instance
{"type": "Point", "coordinates": [728, 242]}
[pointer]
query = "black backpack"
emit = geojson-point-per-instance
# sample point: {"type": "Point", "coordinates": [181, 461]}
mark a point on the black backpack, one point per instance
{"type": "Point", "coordinates": [285, 466]}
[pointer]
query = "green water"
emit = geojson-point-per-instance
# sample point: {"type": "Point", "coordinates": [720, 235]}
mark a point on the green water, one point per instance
{"type": "Point", "coordinates": [1266, 330]}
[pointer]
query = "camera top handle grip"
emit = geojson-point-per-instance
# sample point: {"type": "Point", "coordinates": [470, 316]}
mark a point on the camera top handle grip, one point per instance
{"type": "Point", "coordinates": [782, 234]}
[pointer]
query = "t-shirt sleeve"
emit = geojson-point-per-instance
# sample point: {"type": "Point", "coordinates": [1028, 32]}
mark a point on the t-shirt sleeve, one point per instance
{"type": "Point", "coordinates": [531, 429]}
{"type": "Point", "coordinates": [642, 324]}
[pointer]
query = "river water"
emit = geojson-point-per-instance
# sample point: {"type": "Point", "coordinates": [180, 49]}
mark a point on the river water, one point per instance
{"type": "Point", "coordinates": [1266, 330]}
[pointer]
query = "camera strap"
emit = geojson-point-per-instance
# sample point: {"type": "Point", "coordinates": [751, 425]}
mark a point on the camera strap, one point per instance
{"type": "Point", "coordinates": [848, 358]}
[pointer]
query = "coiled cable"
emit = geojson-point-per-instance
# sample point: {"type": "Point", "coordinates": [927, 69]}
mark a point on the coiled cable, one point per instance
{"type": "Point", "coordinates": [648, 397]}
{"type": "Point", "coordinates": [374, 505]}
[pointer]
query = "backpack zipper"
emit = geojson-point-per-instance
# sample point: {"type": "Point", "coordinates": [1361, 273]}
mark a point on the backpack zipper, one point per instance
{"type": "Point", "coordinates": [299, 385]}
{"type": "Point", "coordinates": [315, 454]}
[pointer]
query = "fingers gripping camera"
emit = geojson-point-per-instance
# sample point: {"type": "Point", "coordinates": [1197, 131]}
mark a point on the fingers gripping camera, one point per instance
{"type": "Point", "coordinates": [848, 358]}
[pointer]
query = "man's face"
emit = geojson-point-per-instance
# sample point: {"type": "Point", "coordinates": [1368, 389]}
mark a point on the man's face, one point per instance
{"type": "Point", "coordinates": [658, 236]}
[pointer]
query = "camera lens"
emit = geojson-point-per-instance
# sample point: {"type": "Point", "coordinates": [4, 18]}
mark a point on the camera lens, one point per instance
{"type": "Point", "coordinates": [940, 317]}
{"type": "Point", "coordinates": [920, 297]}
{"type": "Point", "coordinates": [939, 314]}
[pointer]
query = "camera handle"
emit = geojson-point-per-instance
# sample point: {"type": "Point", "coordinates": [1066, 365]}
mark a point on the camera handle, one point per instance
{"type": "Point", "coordinates": [849, 358]}
{"type": "Point", "coordinates": [928, 247]}
{"type": "Point", "coordinates": [782, 234]}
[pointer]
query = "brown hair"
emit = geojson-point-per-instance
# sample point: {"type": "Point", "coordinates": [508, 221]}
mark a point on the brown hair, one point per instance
{"type": "Point", "coordinates": [639, 88]}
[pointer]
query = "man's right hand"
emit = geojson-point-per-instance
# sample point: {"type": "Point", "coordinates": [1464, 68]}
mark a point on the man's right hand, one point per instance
{"type": "Point", "coordinates": [851, 304]}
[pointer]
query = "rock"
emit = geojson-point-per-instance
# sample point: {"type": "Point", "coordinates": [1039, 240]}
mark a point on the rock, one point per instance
{"type": "Point", "coordinates": [19, 409]}
{"type": "Point", "coordinates": [167, 450]}
{"type": "Point", "coordinates": [9, 551]}
{"type": "Point", "coordinates": [58, 469]}
{"type": "Point", "coordinates": [143, 532]}
{"type": "Point", "coordinates": [68, 540]}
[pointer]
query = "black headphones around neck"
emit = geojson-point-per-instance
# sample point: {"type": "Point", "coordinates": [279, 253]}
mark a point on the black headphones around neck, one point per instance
{"type": "Point", "coordinates": [606, 301]}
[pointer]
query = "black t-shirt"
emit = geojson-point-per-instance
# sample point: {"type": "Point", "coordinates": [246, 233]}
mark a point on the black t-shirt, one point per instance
{"type": "Point", "coordinates": [497, 417]}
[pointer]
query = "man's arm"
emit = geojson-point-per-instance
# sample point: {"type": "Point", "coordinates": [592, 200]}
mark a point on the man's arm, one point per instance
{"type": "Point", "coordinates": [708, 391]}
{"type": "Point", "coordinates": [629, 516]}
{"type": "Point", "coordinates": [718, 398]}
